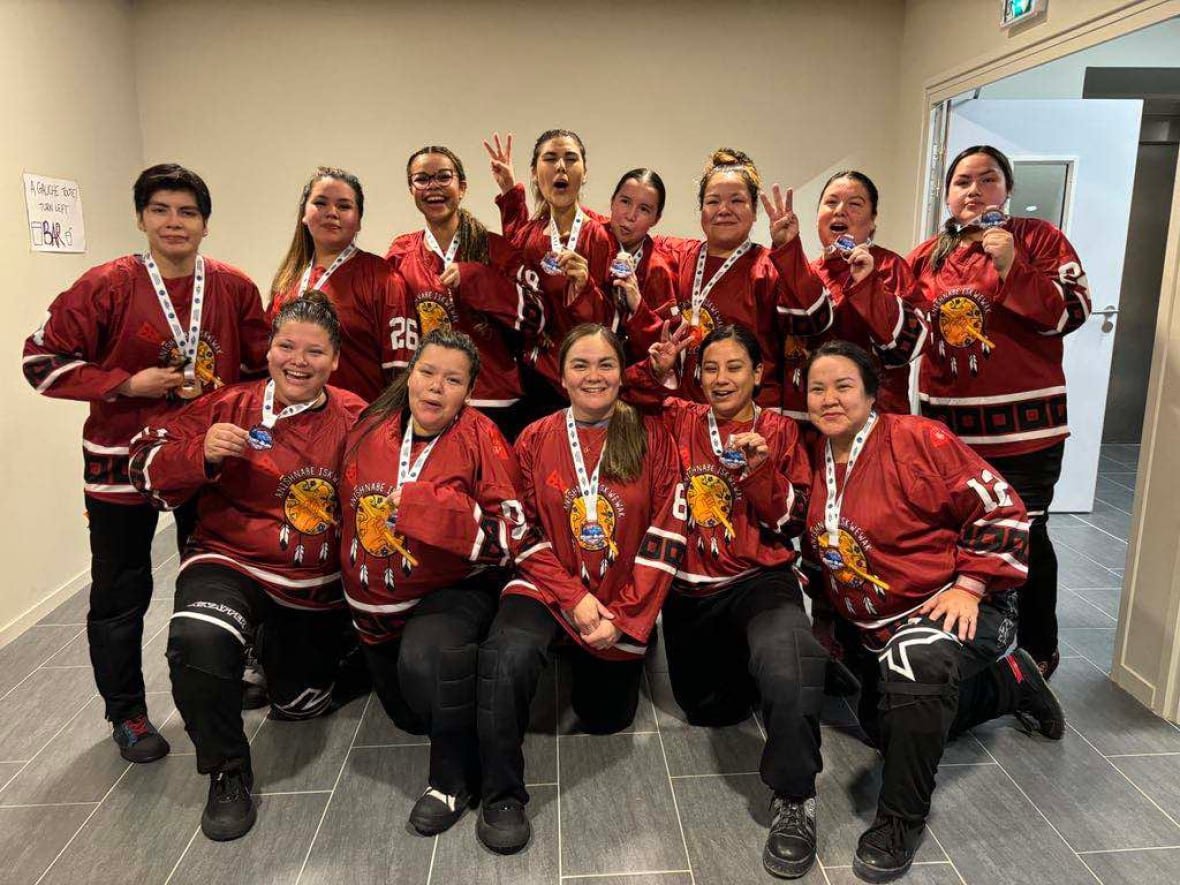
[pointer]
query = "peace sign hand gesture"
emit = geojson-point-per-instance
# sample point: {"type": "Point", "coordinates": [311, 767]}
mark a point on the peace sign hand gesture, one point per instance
{"type": "Point", "coordinates": [501, 156]}
{"type": "Point", "coordinates": [664, 353]}
{"type": "Point", "coordinates": [784, 223]}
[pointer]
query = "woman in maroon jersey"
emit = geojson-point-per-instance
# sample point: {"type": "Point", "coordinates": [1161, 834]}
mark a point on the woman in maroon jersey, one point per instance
{"type": "Point", "coordinates": [265, 458]}
{"type": "Point", "coordinates": [922, 544]}
{"type": "Point", "coordinates": [429, 517]}
{"type": "Point", "coordinates": [873, 295]}
{"type": "Point", "coordinates": [460, 275]}
{"type": "Point", "coordinates": [378, 327]}
{"type": "Point", "coordinates": [635, 207]}
{"type": "Point", "coordinates": [567, 251]}
{"type": "Point", "coordinates": [726, 278]}
{"type": "Point", "coordinates": [1001, 293]}
{"type": "Point", "coordinates": [600, 487]}
{"type": "Point", "coordinates": [746, 477]}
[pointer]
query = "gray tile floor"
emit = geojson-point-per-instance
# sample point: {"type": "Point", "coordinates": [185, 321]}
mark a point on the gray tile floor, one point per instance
{"type": "Point", "coordinates": [664, 804]}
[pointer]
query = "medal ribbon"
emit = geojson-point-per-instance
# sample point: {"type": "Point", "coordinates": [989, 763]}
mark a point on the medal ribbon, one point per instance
{"type": "Point", "coordinates": [715, 434]}
{"type": "Point", "coordinates": [836, 501]}
{"type": "Point", "coordinates": [433, 246]}
{"type": "Point", "coordinates": [699, 293]}
{"type": "Point", "coordinates": [269, 418]}
{"type": "Point", "coordinates": [587, 483]}
{"type": "Point", "coordinates": [406, 473]}
{"type": "Point", "coordinates": [348, 252]}
{"type": "Point", "coordinates": [575, 230]}
{"type": "Point", "coordinates": [186, 343]}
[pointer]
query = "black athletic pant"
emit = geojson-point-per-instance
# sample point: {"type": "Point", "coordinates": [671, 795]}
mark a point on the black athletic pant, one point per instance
{"type": "Point", "coordinates": [924, 687]}
{"type": "Point", "coordinates": [519, 647]}
{"type": "Point", "coordinates": [218, 612]}
{"type": "Point", "coordinates": [752, 640]}
{"type": "Point", "coordinates": [120, 593]}
{"type": "Point", "coordinates": [1033, 476]}
{"type": "Point", "coordinates": [425, 679]}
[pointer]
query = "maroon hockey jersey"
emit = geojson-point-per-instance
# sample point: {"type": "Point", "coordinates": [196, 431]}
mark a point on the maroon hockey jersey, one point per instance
{"type": "Point", "coordinates": [460, 516]}
{"type": "Point", "coordinates": [738, 522]}
{"type": "Point", "coordinates": [630, 568]}
{"type": "Point", "coordinates": [751, 293]}
{"type": "Point", "coordinates": [109, 325]}
{"type": "Point", "coordinates": [273, 515]}
{"type": "Point", "coordinates": [992, 371]}
{"type": "Point", "coordinates": [378, 326]}
{"type": "Point", "coordinates": [488, 302]}
{"type": "Point", "coordinates": [592, 304]}
{"type": "Point", "coordinates": [919, 510]}
{"type": "Point", "coordinates": [882, 314]}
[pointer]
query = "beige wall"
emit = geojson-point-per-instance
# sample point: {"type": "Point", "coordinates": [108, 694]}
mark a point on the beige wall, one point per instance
{"type": "Point", "coordinates": [70, 111]}
{"type": "Point", "coordinates": [802, 87]}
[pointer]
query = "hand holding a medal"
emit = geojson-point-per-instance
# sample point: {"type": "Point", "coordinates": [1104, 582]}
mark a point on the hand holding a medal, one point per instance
{"type": "Point", "coordinates": [577, 272]}
{"type": "Point", "coordinates": [860, 262]}
{"type": "Point", "coordinates": [628, 289]}
{"type": "Point", "coordinates": [752, 446]}
{"type": "Point", "coordinates": [780, 212]}
{"type": "Point", "coordinates": [998, 242]}
{"type": "Point", "coordinates": [501, 155]}
{"type": "Point", "coordinates": [224, 440]}
{"type": "Point", "coordinates": [450, 277]}
{"type": "Point", "coordinates": [152, 383]}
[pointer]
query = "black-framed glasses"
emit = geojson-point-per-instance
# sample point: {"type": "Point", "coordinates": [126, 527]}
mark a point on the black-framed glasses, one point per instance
{"type": "Point", "coordinates": [422, 180]}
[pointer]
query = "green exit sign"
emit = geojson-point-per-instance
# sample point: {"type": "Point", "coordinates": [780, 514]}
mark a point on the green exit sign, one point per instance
{"type": "Point", "coordinates": [1021, 11]}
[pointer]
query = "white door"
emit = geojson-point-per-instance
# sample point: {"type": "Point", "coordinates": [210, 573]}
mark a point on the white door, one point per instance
{"type": "Point", "coordinates": [1098, 139]}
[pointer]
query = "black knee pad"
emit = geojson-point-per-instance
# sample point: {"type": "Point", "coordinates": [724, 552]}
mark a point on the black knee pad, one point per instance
{"type": "Point", "coordinates": [205, 646]}
{"type": "Point", "coordinates": [508, 653]}
{"type": "Point", "coordinates": [456, 678]}
{"type": "Point", "coordinates": [920, 659]}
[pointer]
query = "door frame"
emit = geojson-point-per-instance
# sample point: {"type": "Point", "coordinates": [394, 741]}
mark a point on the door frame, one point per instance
{"type": "Point", "coordinates": [1148, 667]}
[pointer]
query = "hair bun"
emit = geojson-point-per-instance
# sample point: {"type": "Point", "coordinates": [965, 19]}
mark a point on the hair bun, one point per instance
{"type": "Point", "coordinates": [317, 297]}
{"type": "Point", "coordinates": [732, 157]}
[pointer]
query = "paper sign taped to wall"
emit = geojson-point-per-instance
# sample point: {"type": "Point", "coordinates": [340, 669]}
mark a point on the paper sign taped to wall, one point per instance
{"type": "Point", "coordinates": [55, 214]}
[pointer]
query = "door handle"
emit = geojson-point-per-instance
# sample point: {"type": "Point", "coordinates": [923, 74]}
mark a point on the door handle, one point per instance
{"type": "Point", "coordinates": [1106, 313]}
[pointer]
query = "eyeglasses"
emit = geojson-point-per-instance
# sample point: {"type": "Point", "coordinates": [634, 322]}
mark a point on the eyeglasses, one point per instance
{"type": "Point", "coordinates": [422, 180]}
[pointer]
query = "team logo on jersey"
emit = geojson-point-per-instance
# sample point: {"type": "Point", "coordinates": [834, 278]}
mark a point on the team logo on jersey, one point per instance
{"type": "Point", "coordinates": [962, 324]}
{"type": "Point", "coordinates": [207, 351]}
{"type": "Point", "coordinates": [310, 509]}
{"type": "Point", "coordinates": [434, 311]}
{"type": "Point", "coordinates": [375, 534]}
{"type": "Point", "coordinates": [706, 321]}
{"type": "Point", "coordinates": [586, 536]}
{"type": "Point", "coordinates": [711, 499]}
{"type": "Point", "coordinates": [848, 564]}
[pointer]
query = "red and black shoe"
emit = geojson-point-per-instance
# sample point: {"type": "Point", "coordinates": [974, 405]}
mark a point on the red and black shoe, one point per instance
{"type": "Point", "coordinates": [1037, 707]}
{"type": "Point", "coordinates": [138, 740]}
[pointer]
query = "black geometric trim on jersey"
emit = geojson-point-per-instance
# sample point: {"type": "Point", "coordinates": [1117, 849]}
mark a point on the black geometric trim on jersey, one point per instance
{"type": "Point", "coordinates": [906, 342]}
{"type": "Point", "coordinates": [980, 421]}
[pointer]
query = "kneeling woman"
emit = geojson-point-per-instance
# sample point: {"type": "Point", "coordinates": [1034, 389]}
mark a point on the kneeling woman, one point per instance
{"type": "Point", "coordinates": [429, 515]}
{"type": "Point", "coordinates": [922, 544]}
{"type": "Point", "coordinates": [265, 459]}
{"type": "Point", "coordinates": [747, 476]}
{"type": "Point", "coordinates": [600, 483]}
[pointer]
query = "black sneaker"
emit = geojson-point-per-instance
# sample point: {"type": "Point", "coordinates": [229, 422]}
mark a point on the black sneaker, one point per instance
{"type": "Point", "coordinates": [885, 850]}
{"type": "Point", "coordinates": [138, 740]}
{"type": "Point", "coordinates": [229, 810]}
{"type": "Point", "coordinates": [1038, 708]}
{"type": "Point", "coordinates": [503, 826]}
{"type": "Point", "coordinates": [790, 847]}
{"type": "Point", "coordinates": [436, 812]}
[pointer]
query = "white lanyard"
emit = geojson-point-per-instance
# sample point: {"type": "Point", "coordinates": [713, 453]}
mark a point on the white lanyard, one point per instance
{"type": "Point", "coordinates": [699, 292]}
{"type": "Point", "coordinates": [715, 434]}
{"type": "Point", "coordinates": [186, 343]}
{"type": "Point", "coordinates": [836, 501]}
{"type": "Point", "coordinates": [406, 473]}
{"type": "Point", "coordinates": [348, 252]}
{"type": "Point", "coordinates": [575, 230]}
{"type": "Point", "coordinates": [587, 484]}
{"type": "Point", "coordinates": [433, 246]}
{"type": "Point", "coordinates": [269, 418]}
